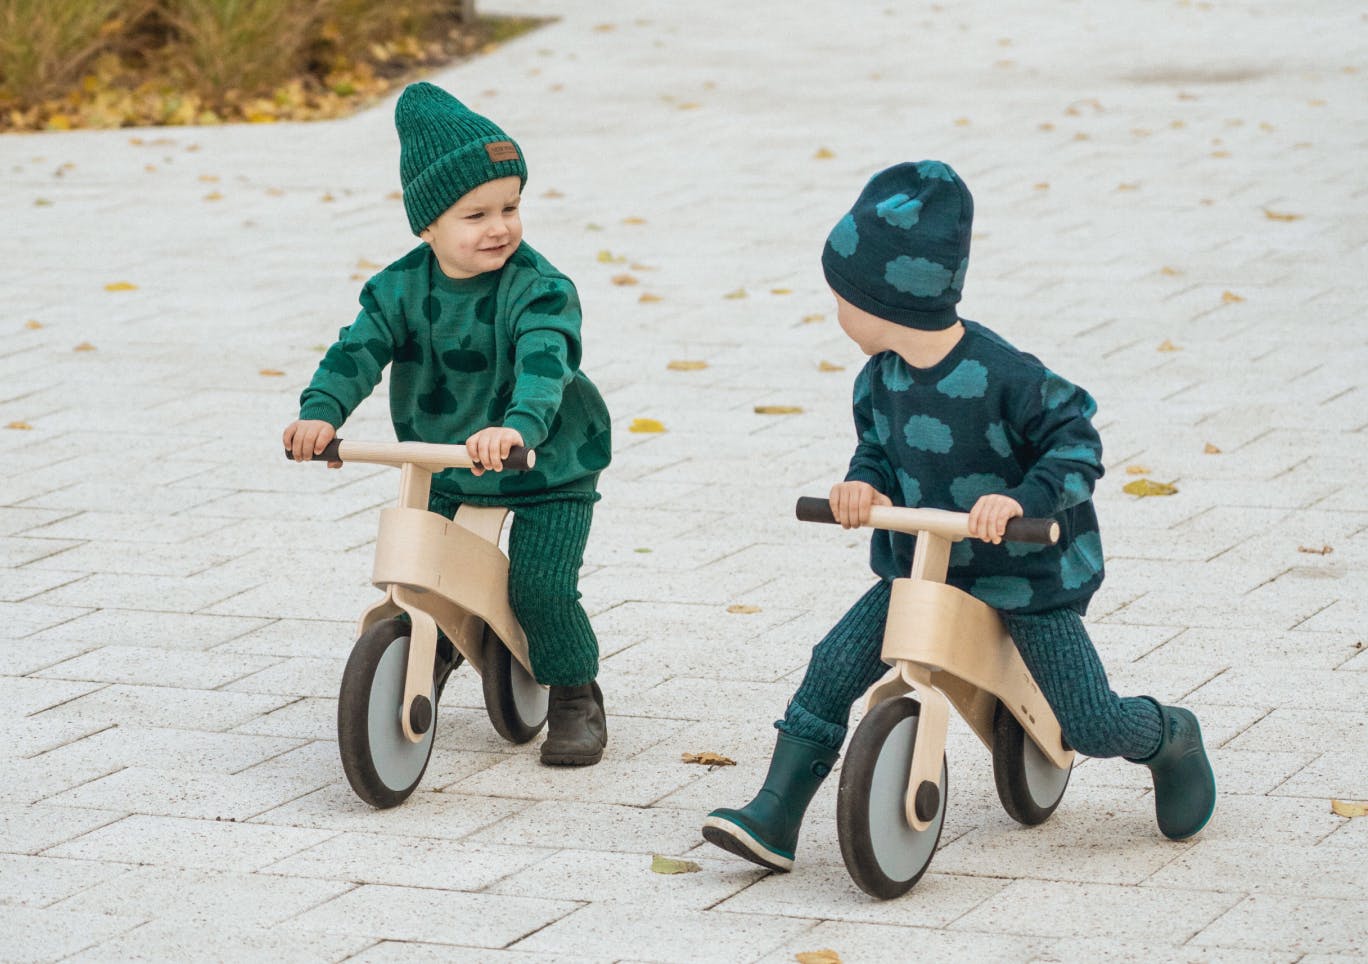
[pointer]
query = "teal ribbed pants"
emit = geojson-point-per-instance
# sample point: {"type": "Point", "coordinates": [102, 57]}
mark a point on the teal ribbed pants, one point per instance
{"type": "Point", "coordinates": [1054, 645]}
{"type": "Point", "coordinates": [545, 552]}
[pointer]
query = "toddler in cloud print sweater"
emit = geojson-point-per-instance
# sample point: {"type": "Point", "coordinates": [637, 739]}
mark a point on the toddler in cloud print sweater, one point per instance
{"type": "Point", "coordinates": [949, 415]}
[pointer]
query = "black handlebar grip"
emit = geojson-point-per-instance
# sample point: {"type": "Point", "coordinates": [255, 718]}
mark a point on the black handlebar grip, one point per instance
{"type": "Point", "coordinates": [811, 509]}
{"type": "Point", "coordinates": [520, 458]}
{"type": "Point", "coordinates": [329, 453]}
{"type": "Point", "coordinates": [1044, 532]}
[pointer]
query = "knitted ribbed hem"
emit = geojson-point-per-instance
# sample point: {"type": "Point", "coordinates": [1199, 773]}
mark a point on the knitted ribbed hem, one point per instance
{"type": "Point", "coordinates": [323, 411]}
{"type": "Point", "coordinates": [806, 725]}
{"type": "Point", "coordinates": [1064, 663]}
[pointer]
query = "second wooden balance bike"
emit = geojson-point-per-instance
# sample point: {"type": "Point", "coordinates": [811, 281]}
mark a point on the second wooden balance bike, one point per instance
{"type": "Point", "coordinates": [436, 573]}
{"type": "Point", "coordinates": [945, 648]}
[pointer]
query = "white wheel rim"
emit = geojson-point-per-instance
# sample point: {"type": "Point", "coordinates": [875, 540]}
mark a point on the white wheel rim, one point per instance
{"type": "Point", "coordinates": [398, 761]}
{"type": "Point", "coordinates": [900, 851]}
{"type": "Point", "coordinates": [1045, 782]}
{"type": "Point", "coordinates": [530, 698]}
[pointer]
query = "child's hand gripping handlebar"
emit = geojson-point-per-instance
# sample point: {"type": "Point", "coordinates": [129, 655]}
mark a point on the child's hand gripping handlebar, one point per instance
{"type": "Point", "coordinates": [427, 454]}
{"type": "Point", "coordinates": [951, 525]}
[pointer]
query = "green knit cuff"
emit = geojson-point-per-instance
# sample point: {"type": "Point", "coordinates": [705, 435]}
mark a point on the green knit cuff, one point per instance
{"type": "Point", "coordinates": [323, 410]}
{"type": "Point", "coordinates": [807, 725]}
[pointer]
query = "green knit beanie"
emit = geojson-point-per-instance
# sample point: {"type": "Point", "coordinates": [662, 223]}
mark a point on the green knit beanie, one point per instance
{"type": "Point", "coordinates": [447, 150]}
{"type": "Point", "coordinates": [902, 251]}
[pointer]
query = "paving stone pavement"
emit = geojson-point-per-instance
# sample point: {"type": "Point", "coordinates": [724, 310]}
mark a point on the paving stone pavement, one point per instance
{"type": "Point", "coordinates": [1171, 211]}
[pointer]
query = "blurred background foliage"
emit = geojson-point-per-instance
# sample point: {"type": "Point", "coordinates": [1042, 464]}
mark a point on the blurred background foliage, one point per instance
{"type": "Point", "coordinates": [121, 63]}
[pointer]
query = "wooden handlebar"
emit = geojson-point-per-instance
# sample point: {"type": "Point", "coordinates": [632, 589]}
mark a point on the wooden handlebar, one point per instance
{"type": "Point", "coordinates": [427, 454]}
{"type": "Point", "coordinates": [951, 525]}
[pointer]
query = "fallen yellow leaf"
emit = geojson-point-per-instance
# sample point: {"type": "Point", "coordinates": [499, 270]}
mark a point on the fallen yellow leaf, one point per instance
{"type": "Point", "coordinates": [624, 280]}
{"type": "Point", "coordinates": [633, 220]}
{"type": "Point", "coordinates": [607, 257]}
{"type": "Point", "coordinates": [33, 325]}
{"type": "Point", "coordinates": [1132, 186]}
{"type": "Point", "coordinates": [961, 122]}
{"type": "Point", "coordinates": [1210, 449]}
{"type": "Point", "coordinates": [647, 297]}
{"type": "Point", "coordinates": [646, 425]}
{"type": "Point", "coordinates": [1324, 550]}
{"type": "Point", "coordinates": [690, 105]}
{"type": "Point", "coordinates": [708, 759]}
{"type": "Point", "coordinates": [1349, 808]}
{"type": "Point", "coordinates": [1147, 487]}
{"type": "Point", "coordinates": [42, 202]}
{"type": "Point", "coordinates": [687, 366]}
{"type": "Point", "coordinates": [638, 266]}
{"type": "Point", "coordinates": [826, 366]}
{"type": "Point", "coordinates": [121, 286]}
{"type": "Point", "coordinates": [605, 28]}
{"type": "Point", "coordinates": [1170, 272]}
{"type": "Point", "coordinates": [1042, 185]}
{"type": "Point", "coordinates": [741, 609]}
{"type": "Point", "coordinates": [671, 865]}
{"type": "Point", "coordinates": [781, 291]}
{"type": "Point", "coordinates": [1136, 470]}
{"type": "Point", "coordinates": [214, 196]}
{"type": "Point", "coordinates": [1230, 297]}
{"type": "Point", "coordinates": [811, 319]}
{"type": "Point", "coordinates": [825, 956]}
{"type": "Point", "coordinates": [823, 154]}
{"type": "Point", "coordinates": [209, 178]}
{"type": "Point", "coordinates": [21, 426]}
{"type": "Point", "coordinates": [778, 410]}
{"type": "Point", "coordinates": [552, 193]}
{"type": "Point", "coordinates": [1169, 346]}
{"type": "Point", "coordinates": [737, 294]}
{"type": "Point", "coordinates": [84, 346]}
{"type": "Point", "coordinates": [271, 372]}
{"type": "Point", "coordinates": [365, 264]}
{"type": "Point", "coordinates": [1281, 216]}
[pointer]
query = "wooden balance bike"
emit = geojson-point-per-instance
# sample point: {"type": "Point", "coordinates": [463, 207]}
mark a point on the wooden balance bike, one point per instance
{"type": "Point", "coordinates": [436, 573]}
{"type": "Point", "coordinates": [945, 648]}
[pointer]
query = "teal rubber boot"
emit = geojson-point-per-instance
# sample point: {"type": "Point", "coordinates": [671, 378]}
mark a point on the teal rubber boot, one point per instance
{"type": "Point", "coordinates": [765, 831]}
{"type": "Point", "coordinates": [1184, 786]}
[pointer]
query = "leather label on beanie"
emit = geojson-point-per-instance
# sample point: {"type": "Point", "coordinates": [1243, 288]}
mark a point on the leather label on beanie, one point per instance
{"type": "Point", "coordinates": [502, 151]}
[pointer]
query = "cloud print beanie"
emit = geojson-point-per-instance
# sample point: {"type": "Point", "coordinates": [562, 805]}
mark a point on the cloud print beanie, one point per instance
{"type": "Point", "coordinates": [447, 150]}
{"type": "Point", "coordinates": [902, 251]}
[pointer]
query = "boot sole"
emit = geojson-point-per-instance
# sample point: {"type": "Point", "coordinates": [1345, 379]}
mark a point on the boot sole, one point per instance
{"type": "Point", "coordinates": [737, 840]}
{"type": "Point", "coordinates": [570, 760]}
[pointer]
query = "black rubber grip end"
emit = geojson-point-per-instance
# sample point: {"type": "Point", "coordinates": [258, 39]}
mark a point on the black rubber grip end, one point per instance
{"type": "Point", "coordinates": [812, 509]}
{"type": "Point", "coordinates": [1044, 532]}
{"type": "Point", "coordinates": [329, 453]}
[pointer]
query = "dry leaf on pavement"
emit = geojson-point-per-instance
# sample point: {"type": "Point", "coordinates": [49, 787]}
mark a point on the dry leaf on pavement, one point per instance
{"type": "Point", "coordinates": [742, 609]}
{"type": "Point", "coordinates": [825, 956]}
{"type": "Point", "coordinates": [1146, 487]}
{"type": "Point", "coordinates": [1136, 470]}
{"type": "Point", "coordinates": [671, 865]}
{"type": "Point", "coordinates": [647, 297]}
{"type": "Point", "coordinates": [1324, 550]}
{"type": "Point", "coordinates": [826, 366]}
{"type": "Point", "coordinates": [121, 286]}
{"type": "Point", "coordinates": [21, 426]}
{"type": "Point", "coordinates": [687, 365]}
{"type": "Point", "coordinates": [1230, 297]}
{"type": "Point", "coordinates": [646, 425]}
{"type": "Point", "coordinates": [1281, 215]}
{"type": "Point", "coordinates": [33, 325]}
{"type": "Point", "coordinates": [735, 295]}
{"type": "Point", "coordinates": [708, 759]}
{"type": "Point", "coordinates": [778, 410]}
{"type": "Point", "coordinates": [1349, 808]}
{"type": "Point", "coordinates": [271, 372]}
{"type": "Point", "coordinates": [1210, 449]}
{"type": "Point", "coordinates": [623, 280]}
{"type": "Point", "coordinates": [84, 346]}
{"type": "Point", "coordinates": [1169, 346]}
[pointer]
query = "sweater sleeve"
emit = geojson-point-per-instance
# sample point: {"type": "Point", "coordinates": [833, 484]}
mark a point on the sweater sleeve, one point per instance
{"type": "Point", "coordinates": [1056, 425]}
{"type": "Point", "coordinates": [352, 366]}
{"type": "Point", "coordinates": [546, 332]}
{"type": "Point", "coordinates": [870, 462]}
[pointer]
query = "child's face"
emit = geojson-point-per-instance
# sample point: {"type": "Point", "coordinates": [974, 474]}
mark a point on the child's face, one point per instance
{"type": "Point", "coordinates": [866, 330]}
{"type": "Point", "coordinates": [480, 231]}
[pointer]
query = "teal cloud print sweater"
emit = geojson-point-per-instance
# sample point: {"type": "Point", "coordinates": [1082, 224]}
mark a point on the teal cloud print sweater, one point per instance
{"type": "Point", "coordinates": [986, 419]}
{"type": "Point", "coordinates": [501, 348]}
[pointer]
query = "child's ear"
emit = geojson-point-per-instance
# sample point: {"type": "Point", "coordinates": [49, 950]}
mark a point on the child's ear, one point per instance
{"type": "Point", "coordinates": [425, 235]}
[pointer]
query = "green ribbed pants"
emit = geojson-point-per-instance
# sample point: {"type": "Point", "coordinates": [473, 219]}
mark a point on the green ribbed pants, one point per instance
{"type": "Point", "coordinates": [1054, 645]}
{"type": "Point", "coordinates": [545, 552]}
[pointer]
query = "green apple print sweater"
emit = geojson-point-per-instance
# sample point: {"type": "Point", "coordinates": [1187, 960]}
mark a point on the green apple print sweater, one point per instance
{"type": "Point", "coordinates": [986, 419]}
{"type": "Point", "coordinates": [501, 348]}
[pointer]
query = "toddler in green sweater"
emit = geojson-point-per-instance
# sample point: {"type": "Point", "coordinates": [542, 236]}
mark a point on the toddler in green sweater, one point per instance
{"type": "Point", "coordinates": [949, 415]}
{"type": "Point", "coordinates": [482, 336]}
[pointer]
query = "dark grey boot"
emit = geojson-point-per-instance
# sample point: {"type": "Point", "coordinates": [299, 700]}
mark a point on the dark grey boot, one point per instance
{"type": "Point", "coordinates": [765, 831]}
{"type": "Point", "coordinates": [1184, 786]}
{"type": "Point", "coordinates": [576, 727]}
